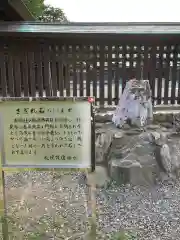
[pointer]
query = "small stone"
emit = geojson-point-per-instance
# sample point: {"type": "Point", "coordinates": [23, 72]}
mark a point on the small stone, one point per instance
{"type": "Point", "coordinates": [153, 127]}
{"type": "Point", "coordinates": [103, 118]}
{"type": "Point", "coordinates": [159, 117]}
{"type": "Point", "coordinates": [126, 126]}
{"type": "Point", "coordinates": [160, 138]}
{"type": "Point", "coordinates": [132, 132]}
{"type": "Point", "coordinates": [169, 117]}
{"type": "Point", "coordinates": [118, 135]}
{"type": "Point", "coordinates": [103, 142]}
{"type": "Point", "coordinates": [163, 177]}
{"type": "Point", "coordinates": [166, 158]}
{"type": "Point", "coordinates": [99, 125]}
{"type": "Point", "coordinates": [167, 125]}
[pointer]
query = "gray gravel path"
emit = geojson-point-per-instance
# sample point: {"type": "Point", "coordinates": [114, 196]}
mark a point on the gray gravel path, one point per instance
{"type": "Point", "coordinates": [153, 214]}
{"type": "Point", "coordinates": [43, 206]}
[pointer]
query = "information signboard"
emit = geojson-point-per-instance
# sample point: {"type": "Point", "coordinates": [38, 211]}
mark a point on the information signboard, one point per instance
{"type": "Point", "coordinates": [51, 133]}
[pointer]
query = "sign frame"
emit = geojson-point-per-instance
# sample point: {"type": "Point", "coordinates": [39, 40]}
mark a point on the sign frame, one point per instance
{"type": "Point", "coordinates": [42, 99]}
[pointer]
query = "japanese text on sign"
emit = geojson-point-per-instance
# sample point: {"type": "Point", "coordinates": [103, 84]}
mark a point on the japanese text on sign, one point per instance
{"type": "Point", "coordinates": [46, 133]}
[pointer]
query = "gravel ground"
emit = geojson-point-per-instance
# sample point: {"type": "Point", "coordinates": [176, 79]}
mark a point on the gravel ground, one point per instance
{"type": "Point", "coordinates": [43, 206]}
{"type": "Point", "coordinates": [152, 214]}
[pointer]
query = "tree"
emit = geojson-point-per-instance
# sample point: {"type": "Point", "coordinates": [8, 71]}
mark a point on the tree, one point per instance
{"type": "Point", "coordinates": [51, 14]}
{"type": "Point", "coordinates": [45, 13]}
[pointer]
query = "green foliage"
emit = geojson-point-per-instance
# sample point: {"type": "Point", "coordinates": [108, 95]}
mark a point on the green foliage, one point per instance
{"type": "Point", "coordinates": [45, 13]}
{"type": "Point", "coordinates": [51, 14]}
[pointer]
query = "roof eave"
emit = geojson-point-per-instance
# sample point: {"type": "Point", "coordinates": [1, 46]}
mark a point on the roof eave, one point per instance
{"type": "Point", "coordinates": [21, 10]}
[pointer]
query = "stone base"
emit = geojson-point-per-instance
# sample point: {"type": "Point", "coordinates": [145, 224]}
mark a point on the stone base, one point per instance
{"type": "Point", "coordinates": [133, 155]}
{"type": "Point", "coordinates": [127, 171]}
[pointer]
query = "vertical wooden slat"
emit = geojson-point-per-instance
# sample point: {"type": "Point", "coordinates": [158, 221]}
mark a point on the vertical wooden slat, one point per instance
{"type": "Point", "coordinates": [39, 69]}
{"type": "Point", "coordinates": [67, 68]}
{"type": "Point", "coordinates": [174, 76]}
{"type": "Point", "coordinates": [124, 69]}
{"type": "Point", "coordinates": [81, 79]}
{"type": "Point", "coordinates": [166, 74]}
{"type": "Point", "coordinates": [110, 77]}
{"type": "Point", "coordinates": [67, 79]}
{"type": "Point", "coordinates": [152, 71]}
{"type": "Point", "coordinates": [145, 63]}
{"type": "Point", "coordinates": [16, 68]}
{"type": "Point", "coordinates": [59, 66]}
{"type": "Point", "coordinates": [88, 72]}
{"type": "Point", "coordinates": [101, 72]}
{"type": "Point", "coordinates": [31, 65]}
{"type": "Point", "coordinates": [94, 62]}
{"type": "Point", "coordinates": [116, 74]}
{"type": "Point", "coordinates": [54, 70]}
{"type": "Point", "coordinates": [160, 75]}
{"type": "Point", "coordinates": [74, 70]}
{"type": "Point", "coordinates": [47, 74]}
{"type": "Point", "coordinates": [10, 72]}
{"type": "Point", "coordinates": [121, 67]}
{"type": "Point", "coordinates": [3, 77]}
{"type": "Point", "coordinates": [24, 73]}
{"type": "Point", "coordinates": [129, 52]}
{"type": "Point", "coordinates": [81, 75]}
{"type": "Point", "coordinates": [138, 62]}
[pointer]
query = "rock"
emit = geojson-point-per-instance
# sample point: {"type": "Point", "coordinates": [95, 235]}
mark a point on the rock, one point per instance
{"type": "Point", "coordinates": [122, 146]}
{"type": "Point", "coordinates": [165, 158]}
{"type": "Point", "coordinates": [168, 157]}
{"type": "Point", "coordinates": [163, 129]}
{"type": "Point", "coordinates": [159, 138]}
{"type": "Point", "coordinates": [103, 118]}
{"type": "Point", "coordinates": [133, 132]}
{"type": "Point", "coordinates": [126, 126]}
{"type": "Point", "coordinates": [159, 117]}
{"type": "Point", "coordinates": [175, 154]}
{"type": "Point", "coordinates": [135, 104]}
{"type": "Point", "coordinates": [129, 153]}
{"type": "Point", "coordinates": [152, 127]}
{"type": "Point", "coordinates": [118, 135]}
{"type": "Point", "coordinates": [159, 163]}
{"type": "Point", "coordinates": [163, 177]}
{"type": "Point", "coordinates": [169, 117]}
{"type": "Point", "coordinates": [99, 125]}
{"type": "Point", "coordinates": [131, 171]}
{"type": "Point", "coordinates": [103, 142]}
{"type": "Point", "coordinates": [119, 140]}
{"type": "Point", "coordinates": [146, 137]}
{"type": "Point", "coordinates": [125, 171]}
{"type": "Point", "coordinates": [167, 125]}
{"type": "Point", "coordinates": [149, 174]}
{"type": "Point", "coordinates": [176, 122]}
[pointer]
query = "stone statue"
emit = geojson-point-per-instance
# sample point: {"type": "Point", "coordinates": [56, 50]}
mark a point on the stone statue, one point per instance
{"type": "Point", "coordinates": [135, 104]}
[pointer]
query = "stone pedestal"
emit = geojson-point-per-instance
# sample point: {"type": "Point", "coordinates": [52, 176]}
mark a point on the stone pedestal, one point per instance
{"type": "Point", "coordinates": [125, 171]}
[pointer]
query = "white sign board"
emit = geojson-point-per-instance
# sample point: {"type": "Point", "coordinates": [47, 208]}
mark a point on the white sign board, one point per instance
{"type": "Point", "coordinates": [44, 134]}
